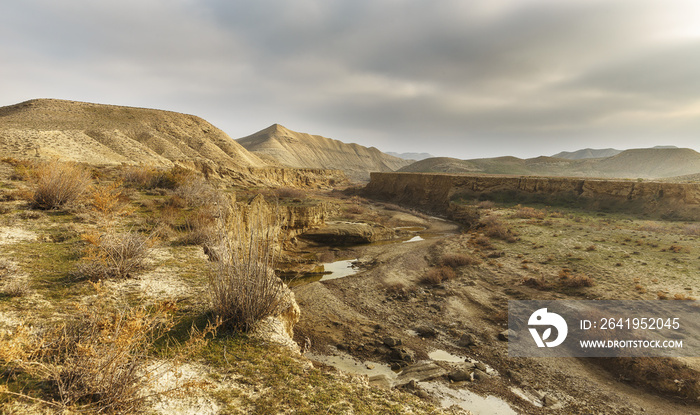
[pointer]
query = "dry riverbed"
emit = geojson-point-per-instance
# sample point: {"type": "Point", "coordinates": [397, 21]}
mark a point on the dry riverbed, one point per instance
{"type": "Point", "coordinates": [444, 340]}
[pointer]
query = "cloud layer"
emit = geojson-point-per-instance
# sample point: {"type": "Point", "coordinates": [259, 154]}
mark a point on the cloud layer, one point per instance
{"type": "Point", "coordinates": [464, 79]}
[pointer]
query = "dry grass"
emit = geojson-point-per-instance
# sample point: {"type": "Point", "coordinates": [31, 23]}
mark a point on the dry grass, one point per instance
{"type": "Point", "coordinates": [144, 177]}
{"type": "Point", "coordinates": [242, 281]}
{"type": "Point", "coordinates": [569, 279]}
{"type": "Point", "coordinates": [97, 361]}
{"type": "Point", "coordinates": [57, 184]}
{"type": "Point", "coordinates": [525, 212]}
{"type": "Point", "coordinates": [458, 260]}
{"type": "Point", "coordinates": [436, 276]}
{"type": "Point", "coordinates": [493, 227]}
{"type": "Point", "coordinates": [113, 255]}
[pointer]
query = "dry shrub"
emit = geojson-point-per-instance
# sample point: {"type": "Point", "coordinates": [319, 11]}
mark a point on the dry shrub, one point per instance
{"type": "Point", "coordinates": [591, 248]}
{"type": "Point", "coordinates": [483, 241]}
{"type": "Point", "coordinates": [114, 255]}
{"type": "Point", "coordinates": [662, 295]}
{"type": "Point", "coordinates": [199, 226]}
{"type": "Point", "coordinates": [465, 215]}
{"type": "Point", "coordinates": [98, 361]}
{"type": "Point", "coordinates": [683, 297]}
{"type": "Point", "coordinates": [242, 281]}
{"type": "Point", "coordinates": [355, 209]}
{"type": "Point", "coordinates": [290, 193]}
{"type": "Point", "coordinates": [59, 184]}
{"type": "Point", "coordinates": [198, 192]}
{"type": "Point", "coordinates": [108, 201]}
{"type": "Point", "coordinates": [399, 290]}
{"type": "Point", "coordinates": [458, 260]}
{"type": "Point", "coordinates": [493, 227]}
{"type": "Point", "coordinates": [537, 283]}
{"type": "Point", "coordinates": [436, 276]}
{"type": "Point", "coordinates": [569, 279]}
{"type": "Point", "coordinates": [525, 212]}
{"type": "Point", "coordinates": [144, 177]}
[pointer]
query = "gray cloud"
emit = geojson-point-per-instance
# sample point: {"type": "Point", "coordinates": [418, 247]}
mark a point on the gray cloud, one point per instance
{"type": "Point", "coordinates": [467, 79]}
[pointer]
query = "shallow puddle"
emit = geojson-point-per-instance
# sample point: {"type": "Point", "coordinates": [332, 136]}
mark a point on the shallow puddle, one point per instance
{"type": "Point", "coordinates": [468, 400]}
{"type": "Point", "coordinates": [444, 356]}
{"type": "Point", "coordinates": [349, 364]}
{"type": "Point", "coordinates": [415, 239]}
{"type": "Point", "coordinates": [339, 269]}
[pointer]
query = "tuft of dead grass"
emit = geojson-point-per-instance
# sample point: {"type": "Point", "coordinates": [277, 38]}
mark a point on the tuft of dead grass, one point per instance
{"type": "Point", "coordinates": [113, 255]}
{"type": "Point", "coordinates": [436, 276]}
{"type": "Point", "coordinates": [569, 279]}
{"type": "Point", "coordinates": [58, 184]}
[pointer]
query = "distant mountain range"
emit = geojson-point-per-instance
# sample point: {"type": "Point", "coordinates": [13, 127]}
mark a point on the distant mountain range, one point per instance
{"type": "Point", "coordinates": [591, 153]}
{"type": "Point", "coordinates": [588, 153]}
{"type": "Point", "coordinates": [410, 156]}
{"type": "Point", "coordinates": [646, 163]}
{"type": "Point", "coordinates": [279, 145]}
{"type": "Point", "coordinates": [107, 134]}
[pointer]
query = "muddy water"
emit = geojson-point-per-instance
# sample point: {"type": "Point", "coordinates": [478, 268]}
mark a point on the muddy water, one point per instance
{"type": "Point", "coordinates": [339, 269]}
{"type": "Point", "coordinates": [468, 400]}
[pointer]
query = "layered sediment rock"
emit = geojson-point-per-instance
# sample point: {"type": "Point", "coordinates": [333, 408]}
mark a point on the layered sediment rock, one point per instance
{"type": "Point", "coordinates": [434, 192]}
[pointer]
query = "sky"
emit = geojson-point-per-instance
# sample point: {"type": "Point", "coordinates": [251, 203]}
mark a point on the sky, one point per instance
{"type": "Point", "coordinates": [458, 78]}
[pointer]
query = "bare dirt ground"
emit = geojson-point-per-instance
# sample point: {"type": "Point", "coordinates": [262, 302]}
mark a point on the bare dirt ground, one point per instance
{"type": "Point", "coordinates": [360, 314]}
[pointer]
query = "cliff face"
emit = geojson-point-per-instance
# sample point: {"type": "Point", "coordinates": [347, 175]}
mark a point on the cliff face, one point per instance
{"type": "Point", "coordinates": [435, 191]}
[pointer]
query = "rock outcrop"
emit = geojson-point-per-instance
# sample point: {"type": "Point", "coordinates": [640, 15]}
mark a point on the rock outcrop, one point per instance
{"type": "Point", "coordinates": [434, 192]}
{"type": "Point", "coordinates": [288, 148]}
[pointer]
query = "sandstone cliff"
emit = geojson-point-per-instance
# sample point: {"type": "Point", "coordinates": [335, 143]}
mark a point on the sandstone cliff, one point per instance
{"type": "Point", "coordinates": [434, 192]}
{"type": "Point", "coordinates": [292, 149]}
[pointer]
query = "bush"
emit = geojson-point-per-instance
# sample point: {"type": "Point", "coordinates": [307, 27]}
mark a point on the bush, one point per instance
{"type": "Point", "coordinates": [458, 260]}
{"type": "Point", "coordinates": [114, 255]}
{"type": "Point", "coordinates": [290, 193]}
{"type": "Point", "coordinates": [58, 184]}
{"type": "Point", "coordinates": [242, 281]}
{"type": "Point", "coordinates": [568, 279]}
{"type": "Point", "coordinates": [525, 212]}
{"type": "Point", "coordinates": [98, 361]}
{"type": "Point", "coordinates": [494, 228]}
{"type": "Point", "coordinates": [436, 276]}
{"type": "Point", "coordinates": [144, 177]}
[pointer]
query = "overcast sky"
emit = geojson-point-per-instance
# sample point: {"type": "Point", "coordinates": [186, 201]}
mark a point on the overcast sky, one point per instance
{"type": "Point", "coordinates": [462, 78]}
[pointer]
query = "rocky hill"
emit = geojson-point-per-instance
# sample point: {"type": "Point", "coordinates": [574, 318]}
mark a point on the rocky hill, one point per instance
{"type": "Point", "coordinates": [106, 134]}
{"type": "Point", "coordinates": [588, 153]}
{"type": "Point", "coordinates": [299, 150]}
{"type": "Point", "coordinates": [410, 156]}
{"type": "Point", "coordinates": [647, 163]}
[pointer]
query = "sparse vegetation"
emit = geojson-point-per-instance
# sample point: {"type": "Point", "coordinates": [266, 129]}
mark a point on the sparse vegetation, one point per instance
{"type": "Point", "coordinates": [57, 184]}
{"type": "Point", "coordinates": [458, 260]}
{"type": "Point", "coordinates": [113, 255]}
{"type": "Point", "coordinates": [436, 276]}
{"type": "Point", "coordinates": [242, 282]}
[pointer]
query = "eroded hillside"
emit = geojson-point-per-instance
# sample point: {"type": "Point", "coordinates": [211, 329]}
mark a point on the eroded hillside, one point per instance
{"type": "Point", "coordinates": [292, 149]}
